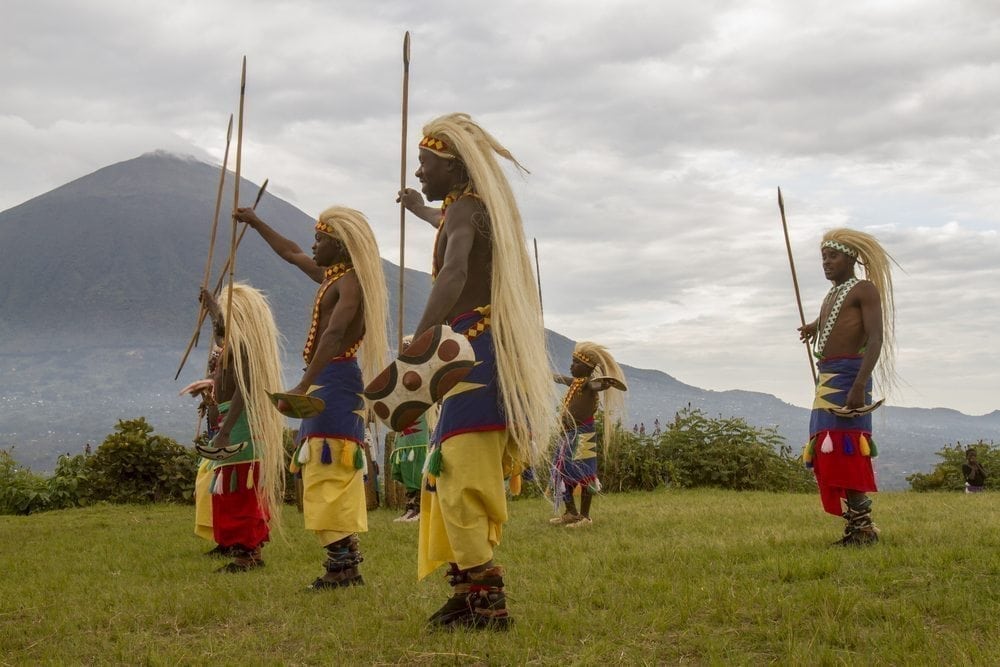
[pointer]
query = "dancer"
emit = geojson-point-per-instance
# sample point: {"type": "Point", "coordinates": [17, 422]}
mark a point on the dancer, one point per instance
{"type": "Point", "coordinates": [488, 426]}
{"type": "Point", "coordinates": [247, 486]}
{"type": "Point", "coordinates": [575, 461]}
{"type": "Point", "coordinates": [852, 338]}
{"type": "Point", "coordinates": [349, 317]}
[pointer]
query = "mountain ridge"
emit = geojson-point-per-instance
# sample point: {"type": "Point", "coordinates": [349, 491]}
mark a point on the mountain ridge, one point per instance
{"type": "Point", "coordinates": [98, 296]}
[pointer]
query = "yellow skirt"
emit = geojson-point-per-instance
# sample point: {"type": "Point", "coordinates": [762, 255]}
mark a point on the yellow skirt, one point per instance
{"type": "Point", "coordinates": [461, 522]}
{"type": "Point", "coordinates": [203, 501]}
{"type": "Point", "coordinates": [333, 494]}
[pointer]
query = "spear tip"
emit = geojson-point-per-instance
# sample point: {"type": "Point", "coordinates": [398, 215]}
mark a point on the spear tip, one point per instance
{"type": "Point", "coordinates": [406, 48]}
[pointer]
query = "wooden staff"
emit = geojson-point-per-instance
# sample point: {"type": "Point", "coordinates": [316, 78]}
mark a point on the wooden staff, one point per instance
{"type": "Point", "coordinates": [795, 280]}
{"type": "Point", "coordinates": [239, 239]}
{"type": "Point", "coordinates": [211, 248]}
{"type": "Point", "coordinates": [402, 187]}
{"type": "Point", "coordinates": [222, 277]}
{"type": "Point", "coordinates": [236, 203]}
{"type": "Point", "coordinates": [538, 279]}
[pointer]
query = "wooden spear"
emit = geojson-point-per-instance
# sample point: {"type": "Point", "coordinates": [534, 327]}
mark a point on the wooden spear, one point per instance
{"type": "Point", "coordinates": [218, 283]}
{"type": "Point", "coordinates": [211, 248]}
{"type": "Point", "coordinates": [795, 280]}
{"type": "Point", "coordinates": [402, 186]}
{"type": "Point", "coordinates": [236, 203]}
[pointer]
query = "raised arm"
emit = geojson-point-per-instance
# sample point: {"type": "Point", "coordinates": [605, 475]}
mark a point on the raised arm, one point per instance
{"type": "Point", "coordinates": [562, 379]}
{"type": "Point", "coordinates": [285, 248]}
{"type": "Point", "coordinates": [414, 203]}
{"type": "Point", "coordinates": [604, 383]}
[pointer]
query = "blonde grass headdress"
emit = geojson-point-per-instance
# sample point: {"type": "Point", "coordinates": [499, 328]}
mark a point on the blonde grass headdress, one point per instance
{"type": "Point", "coordinates": [256, 346]}
{"type": "Point", "coordinates": [612, 400]}
{"type": "Point", "coordinates": [869, 253]}
{"type": "Point", "coordinates": [351, 227]}
{"type": "Point", "coordinates": [518, 335]}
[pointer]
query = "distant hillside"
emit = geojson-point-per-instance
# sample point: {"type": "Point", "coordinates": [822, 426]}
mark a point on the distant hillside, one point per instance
{"type": "Point", "coordinates": [98, 294]}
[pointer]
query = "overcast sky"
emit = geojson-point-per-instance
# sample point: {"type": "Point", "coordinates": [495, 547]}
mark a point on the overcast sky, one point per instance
{"type": "Point", "coordinates": [656, 134]}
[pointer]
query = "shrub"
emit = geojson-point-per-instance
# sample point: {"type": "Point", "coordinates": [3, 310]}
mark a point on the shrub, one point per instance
{"type": "Point", "coordinates": [134, 466]}
{"type": "Point", "coordinates": [21, 491]}
{"type": "Point", "coordinates": [695, 450]}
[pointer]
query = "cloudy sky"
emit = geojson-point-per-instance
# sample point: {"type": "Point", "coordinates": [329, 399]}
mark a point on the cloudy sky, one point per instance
{"type": "Point", "coordinates": [656, 134]}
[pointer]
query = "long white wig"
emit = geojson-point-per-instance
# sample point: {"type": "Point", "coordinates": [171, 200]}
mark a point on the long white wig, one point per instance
{"type": "Point", "coordinates": [255, 342]}
{"type": "Point", "coordinates": [523, 364]}
{"type": "Point", "coordinates": [352, 228]}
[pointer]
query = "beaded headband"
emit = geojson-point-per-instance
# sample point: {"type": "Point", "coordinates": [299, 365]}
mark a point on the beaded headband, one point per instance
{"type": "Point", "coordinates": [584, 359]}
{"type": "Point", "coordinates": [324, 228]}
{"type": "Point", "coordinates": [437, 146]}
{"type": "Point", "coordinates": [837, 245]}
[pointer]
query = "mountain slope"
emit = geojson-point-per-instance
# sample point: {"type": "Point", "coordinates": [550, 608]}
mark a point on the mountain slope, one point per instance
{"type": "Point", "coordinates": [98, 295]}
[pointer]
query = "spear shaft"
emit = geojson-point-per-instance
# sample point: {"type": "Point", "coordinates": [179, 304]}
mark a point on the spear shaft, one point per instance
{"type": "Point", "coordinates": [211, 248]}
{"type": "Point", "coordinates": [218, 284]}
{"type": "Point", "coordinates": [236, 203]}
{"type": "Point", "coordinates": [795, 280]}
{"type": "Point", "coordinates": [402, 186]}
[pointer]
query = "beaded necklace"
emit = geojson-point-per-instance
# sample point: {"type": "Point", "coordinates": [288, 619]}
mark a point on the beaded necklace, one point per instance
{"type": "Point", "coordinates": [574, 388]}
{"type": "Point", "coordinates": [330, 276]}
{"type": "Point", "coordinates": [837, 293]}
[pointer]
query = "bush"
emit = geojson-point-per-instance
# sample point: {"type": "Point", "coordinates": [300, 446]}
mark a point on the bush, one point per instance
{"type": "Point", "coordinates": [947, 475]}
{"type": "Point", "coordinates": [21, 491]}
{"type": "Point", "coordinates": [70, 485]}
{"type": "Point", "coordinates": [134, 466]}
{"type": "Point", "coordinates": [695, 450]}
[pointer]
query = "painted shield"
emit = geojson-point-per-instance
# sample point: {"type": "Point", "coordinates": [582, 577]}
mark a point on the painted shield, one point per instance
{"type": "Point", "coordinates": [220, 453]}
{"type": "Point", "coordinates": [851, 413]}
{"type": "Point", "coordinates": [430, 367]}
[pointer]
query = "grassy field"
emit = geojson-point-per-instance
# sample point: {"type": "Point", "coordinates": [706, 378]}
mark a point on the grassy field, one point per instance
{"type": "Point", "coordinates": [693, 577]}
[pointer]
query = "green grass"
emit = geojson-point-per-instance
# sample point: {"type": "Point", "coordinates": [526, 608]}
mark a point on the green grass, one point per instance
{"type": "Point", "coordinates": [698, 577]}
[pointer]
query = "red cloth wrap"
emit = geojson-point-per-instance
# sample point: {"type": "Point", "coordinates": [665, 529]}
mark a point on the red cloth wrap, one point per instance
{"type": "Point", "coordinates": [237, 516]}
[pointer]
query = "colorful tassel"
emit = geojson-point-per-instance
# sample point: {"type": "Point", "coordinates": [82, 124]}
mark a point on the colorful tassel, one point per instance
{"type": "Point", "coordinates": [412, 456]}
{"type": "Point", "coordinates": [809, 451]}
{"type": "Point", "coordinates": [434, 462]}
{"type": "Point", "coordinates": [217, 487]}
{"type": "Point", "coordinates": [863, 446]}
{"type": "Point", "coordinates": [325, 456]}
{"type": "Point", "coordinates": [848, 445]}
{"type": "Point", "coordinates": [827, 446]}
{"type": "Point", "coordinates": [346, 455]}
{"type": "Point", "coordinates": [515, 485]}
{"type": "Point", "coordinates": [874, 448]}
{"type": "Point", "coordinates": [234, 480]}
{"type": "Point", "coordinates": [250, 477]}
{"type": "Point", "coordinates": [359, 458]}
{"type": "Point", "coordinates": [304, 452]}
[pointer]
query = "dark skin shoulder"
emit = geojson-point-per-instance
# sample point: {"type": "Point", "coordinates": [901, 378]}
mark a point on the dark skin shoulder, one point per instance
{"type": "Point", "coordinates": [464, 253]}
